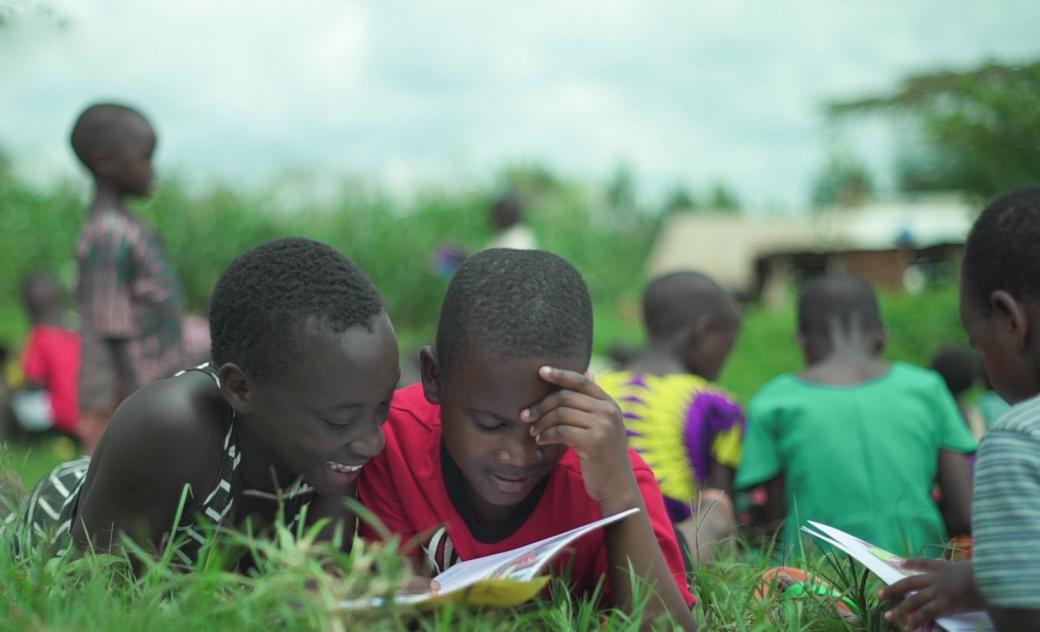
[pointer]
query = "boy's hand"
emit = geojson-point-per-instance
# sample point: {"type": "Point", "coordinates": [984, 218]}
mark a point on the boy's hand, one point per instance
{"type": "Point", "coordinates": [582, 416]}
{"type": "Point", "coordinates": [943, 588]}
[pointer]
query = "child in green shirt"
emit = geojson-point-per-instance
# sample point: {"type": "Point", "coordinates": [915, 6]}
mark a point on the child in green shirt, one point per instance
{"type": "Point", "coordinates": [853, 441]}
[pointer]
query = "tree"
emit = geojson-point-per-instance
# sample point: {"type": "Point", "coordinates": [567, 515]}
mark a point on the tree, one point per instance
{"type": "Point", "coordinates": [679, 199]}
{"type": "Point", "coordinates": [978, 130]}
{"type": "Point", "coordinates": [843, 181]}
{"type": "Point", "coordinates": [723, 199]}
{"type": "Point", "coordinates": [621, 190]}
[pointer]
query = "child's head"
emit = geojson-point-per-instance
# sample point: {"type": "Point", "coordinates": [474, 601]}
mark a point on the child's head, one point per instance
{"type": "Point", "coordinates": [307, 357]}
{"type": "Point", "coordinates": [506, 313]}
{"type": "Point", "coordinates": [42, 296]}
{"type": "Point", "coordinates": [1000, 292]}
{"type": "Point", "coordinates": [115, 143]}
{"type": "Point", "coordinates": [839, 313]}
{"type": "Point", "coordinates": [959, 368]}
{"type": "Point", "coordinates": [695, 318]}
{"type": "Point", "coordinates": [507, 211]}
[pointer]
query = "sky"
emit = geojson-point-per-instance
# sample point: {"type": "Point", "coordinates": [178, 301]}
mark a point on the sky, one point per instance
{"type": "Point", "coordinates": [408, 94]}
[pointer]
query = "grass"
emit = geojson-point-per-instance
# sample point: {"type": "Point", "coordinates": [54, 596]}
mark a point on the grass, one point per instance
{"type": "Point", "coordinates": [292, 588]}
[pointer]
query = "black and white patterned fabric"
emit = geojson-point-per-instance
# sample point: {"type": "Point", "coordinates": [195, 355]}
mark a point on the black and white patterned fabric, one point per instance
{"type": "Point", "coordinates": [47, 513]}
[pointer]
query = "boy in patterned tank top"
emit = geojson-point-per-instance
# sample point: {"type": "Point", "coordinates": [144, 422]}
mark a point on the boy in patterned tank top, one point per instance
{"type": "Point", "coordinates": [129, 297]}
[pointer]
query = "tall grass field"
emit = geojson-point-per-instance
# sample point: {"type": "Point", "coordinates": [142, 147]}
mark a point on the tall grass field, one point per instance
{"type": "Point", "coordinates": [297, 581]}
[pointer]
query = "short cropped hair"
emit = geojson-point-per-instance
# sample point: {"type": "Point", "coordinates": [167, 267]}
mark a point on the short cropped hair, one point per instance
{"type": "Point", "coordinates": [101, 125]}
{"type": "Point", "coordinates": [959, 367]}
{"type": "Point", "coordinates": [1001, 251]}
{"type": "Point", "coordinates": [515, 304]}
{"type": "Point", "coordinates": [266, 295]}
{"type": "Point", "coordinates": [673, 301]}
{"type": "Point", "coordinates": [840, 298]}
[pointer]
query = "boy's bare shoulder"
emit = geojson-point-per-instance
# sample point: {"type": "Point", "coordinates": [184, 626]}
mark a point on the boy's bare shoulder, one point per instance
{"type": "Point", "coordinates": [173, 428]}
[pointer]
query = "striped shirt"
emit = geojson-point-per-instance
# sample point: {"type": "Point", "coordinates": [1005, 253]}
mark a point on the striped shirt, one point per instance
{"type": "Point", "coordinates": [1006, 511]}
{"type": "Point", "coordinates": [128, 289]}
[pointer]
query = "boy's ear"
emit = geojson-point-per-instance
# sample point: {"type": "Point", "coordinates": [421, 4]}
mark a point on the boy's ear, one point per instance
{"type": "Point", "coordinates": [430, 371]}
{"type": "Point", "coordinates": [881, 341]}
{"type": "Point", "coordinates": [1013, 314]}
{"type": "Point", "coordinates": [236, 386]}
{"type": "Point", "coordinates": [805, 345]}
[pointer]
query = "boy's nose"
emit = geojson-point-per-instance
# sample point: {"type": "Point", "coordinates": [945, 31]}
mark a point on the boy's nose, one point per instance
{"type": "Point", "coordinates": [522, 451]}
{"type": "Point", "coordinates": [370, 443]}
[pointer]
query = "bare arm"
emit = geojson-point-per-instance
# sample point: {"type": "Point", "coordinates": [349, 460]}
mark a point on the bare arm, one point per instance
{"type": "Point", "coordinates": [632, 542]}
{"type": "Point", "coordinates": [341, 519]}
{"type": "Point", "coordinates": [126, 376]}
{"type": "Point", "coordinates": [155, 446]}
{"type": "Point", "coordinates": [713, 518]}
{"type": "Point", "coordinates": [955, 484]}
{"type": "Point", "coordinates": [583, 417]}
{"type": "Point", "coordinates": [1014, 619]}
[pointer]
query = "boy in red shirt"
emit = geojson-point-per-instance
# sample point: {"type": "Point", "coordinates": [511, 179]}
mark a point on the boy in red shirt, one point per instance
{"type": "Point", "coordinates": [508, 441]}
{"type": "Point", "coordinates": [50, 361]}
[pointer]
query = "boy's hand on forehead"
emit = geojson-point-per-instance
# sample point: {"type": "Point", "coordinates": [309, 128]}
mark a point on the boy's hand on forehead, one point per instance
{"type": "Point", "coordinates": [582, 416]}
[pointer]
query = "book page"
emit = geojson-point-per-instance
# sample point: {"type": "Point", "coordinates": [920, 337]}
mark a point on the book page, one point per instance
{"type": "Point", "coordinates": [521, 565]}
{"type": "Point", "coordinates": [887, 567]}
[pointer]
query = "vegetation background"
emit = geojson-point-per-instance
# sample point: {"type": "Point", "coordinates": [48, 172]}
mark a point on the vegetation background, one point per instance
{"type": "Point", "coordinates": [975, 130]}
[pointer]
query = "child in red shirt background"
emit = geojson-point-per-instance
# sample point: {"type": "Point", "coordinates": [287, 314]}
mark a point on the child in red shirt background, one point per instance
{"type": "Point", "coordinates": [50, 361]}
{"type": "Point", "coordinates": [507, 441]}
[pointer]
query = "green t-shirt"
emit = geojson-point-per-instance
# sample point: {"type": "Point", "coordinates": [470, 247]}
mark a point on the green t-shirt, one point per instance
{"type": "Point", "coordinates": [860, 458]}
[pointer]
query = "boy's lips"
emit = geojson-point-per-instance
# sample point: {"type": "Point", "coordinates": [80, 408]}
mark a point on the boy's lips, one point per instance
{"type": "Point", "coordinates": [343, 468]}
{"type": "Point", "coordinates": [511, 483]}
{"type": "Point", "coordinates": [342, 473]}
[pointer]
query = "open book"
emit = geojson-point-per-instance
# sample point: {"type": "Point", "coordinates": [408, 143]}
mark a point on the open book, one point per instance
{"type": "Point", "coordinates": [503, 579]}
{"type": "Point", "coordinates": [887, 567]}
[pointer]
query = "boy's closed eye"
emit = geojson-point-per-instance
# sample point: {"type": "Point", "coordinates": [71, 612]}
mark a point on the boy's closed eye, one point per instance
{"type": "Point", "coordinates": [338, 424]}
{"type": "Point", "coordinates": [489, 422]}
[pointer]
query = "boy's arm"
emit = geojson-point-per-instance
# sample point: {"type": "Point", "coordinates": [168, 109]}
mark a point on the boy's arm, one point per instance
{"type": "Point", "coordinates": [123, 367]}
{"type": "Point", "coordinates": [335, 508]}
{"type": "Point", "coordinates": [632, 547]}
{"type": "Point", "coordinates": [105, 280]}
{"type": "Point", "coordinates": [1014, 619]}
{"type": "Point", "coordinates": [153, 448]}
{"type": "Point", "coordinates": [955, 484]}
{"type": "Point", "coordinates": [582, 416]}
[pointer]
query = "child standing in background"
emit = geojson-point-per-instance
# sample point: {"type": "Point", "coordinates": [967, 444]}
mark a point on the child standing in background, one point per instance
{"type": "Point", "coordinates": [960, 369]}
{"type": "Point", "coordinates": [856, 442]}
{"type": "Point", "coordinates": [686, 429]}
{"type": "Point", "coordinates": [129, 297]}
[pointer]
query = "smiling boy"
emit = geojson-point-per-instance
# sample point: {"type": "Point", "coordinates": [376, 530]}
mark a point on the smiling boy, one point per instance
{"type": "Point", "coordinates": [508, 441]}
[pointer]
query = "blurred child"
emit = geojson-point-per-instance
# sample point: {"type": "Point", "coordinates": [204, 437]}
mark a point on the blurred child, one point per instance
{"type": "Point", "coordinates": [688, 430]}
{"type": "Point", "coordinates": [960, 369]}
{"type": "Point", "coordinates": [991, 405]}
{"type": "Point", "coordinates": [507, 441]}
{"type": "Point", "coordinates": [290, 406]}
{"type": "Point", "coordinates": [129, 298]}
{"type": "Point", "coordinates": [853, 441]}
{"type": "Point", "coordinates": [507, 218]}
{"type": "Point", "coordinates": [50, 362]}
{"type": "Point", "coordinates": [1000, 310]}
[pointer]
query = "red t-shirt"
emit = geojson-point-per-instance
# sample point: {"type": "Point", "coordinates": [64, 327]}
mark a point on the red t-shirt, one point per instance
{"type": "Point", "coordinates": [52, 360]}
{"type": "Point", "coordinates": [406, 488]}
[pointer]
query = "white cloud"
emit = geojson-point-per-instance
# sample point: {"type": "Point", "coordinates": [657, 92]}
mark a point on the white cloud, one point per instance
{"type": "Point", "coordinates": [684, 91]}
